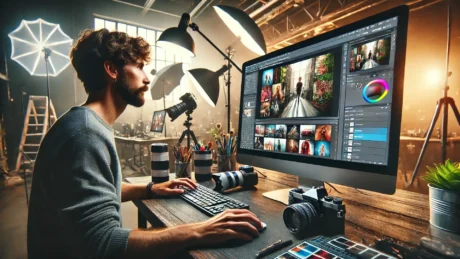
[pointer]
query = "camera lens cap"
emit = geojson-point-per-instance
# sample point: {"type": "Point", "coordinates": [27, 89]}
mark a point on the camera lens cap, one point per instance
{"type": "Point", "coordinates": [337, 201]}
{"type": "Point", "coordinates": [328, 198]}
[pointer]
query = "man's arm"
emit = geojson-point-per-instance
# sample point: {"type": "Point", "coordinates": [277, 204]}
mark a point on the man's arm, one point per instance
{"type": "Point", "coordinates": [131, 192]}
{"type": "Point", "coordinates": [232, 224]}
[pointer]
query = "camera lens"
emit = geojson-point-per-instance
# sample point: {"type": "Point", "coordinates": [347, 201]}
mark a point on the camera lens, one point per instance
{"type": "Point", "coordinates": [299, 217]}
{"type": "Point", "coordinates": [188, 104]}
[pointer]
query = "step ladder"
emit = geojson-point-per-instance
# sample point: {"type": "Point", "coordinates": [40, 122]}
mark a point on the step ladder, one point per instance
{"type": "Point", "coordinates": [35, 128]}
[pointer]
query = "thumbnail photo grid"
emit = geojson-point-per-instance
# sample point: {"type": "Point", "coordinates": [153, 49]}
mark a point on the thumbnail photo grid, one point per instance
{"type": "Point", "coordinates": [308, 140]}
{"type": "Point", "coordinates": [364, 56]}
{"type": "Point", "coordinates": [298, 90]}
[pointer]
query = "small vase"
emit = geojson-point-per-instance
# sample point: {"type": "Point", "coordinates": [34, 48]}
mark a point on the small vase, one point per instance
{"type": "Point", "coordinates": [444, 209]}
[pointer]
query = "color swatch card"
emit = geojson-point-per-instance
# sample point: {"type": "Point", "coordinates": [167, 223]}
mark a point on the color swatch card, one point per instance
{"type": "Point", "coordinates": [337, 247]}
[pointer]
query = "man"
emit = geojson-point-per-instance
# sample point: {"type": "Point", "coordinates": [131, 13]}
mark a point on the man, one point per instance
{"type": "Point", "coordinates": [299, 88]}
{"type": "Point", "coordinates": [75, 201]}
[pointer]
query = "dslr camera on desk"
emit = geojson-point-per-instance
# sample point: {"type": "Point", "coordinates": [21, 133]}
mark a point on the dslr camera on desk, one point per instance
{"type": "Point", "coordinates": [313, 212]}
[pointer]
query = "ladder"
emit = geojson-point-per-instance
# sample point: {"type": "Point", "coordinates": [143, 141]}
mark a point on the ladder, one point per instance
{"type": "Point", "coordinates": [35, 127]}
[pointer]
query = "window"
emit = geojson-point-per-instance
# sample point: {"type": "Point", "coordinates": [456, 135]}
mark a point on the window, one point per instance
{"type": "Point", "coordinates": [159, 57]}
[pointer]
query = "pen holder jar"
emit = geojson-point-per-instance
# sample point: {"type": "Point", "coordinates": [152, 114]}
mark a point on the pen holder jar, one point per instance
{"type": "Point", "coordinates": [202, 162]}
{"type": "Point", "coordinates": [182, 169]}
{"type": "Point", "coordinates": [226, 162]}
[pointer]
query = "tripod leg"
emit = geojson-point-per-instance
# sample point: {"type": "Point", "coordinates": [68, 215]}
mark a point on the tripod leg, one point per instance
{"type": "Point", "coordinates": [182, 137]}
{"type": "Point", "coordinates": [427, 139]}
{"type": "Point", "coordinates": [454, 108]}
{"type": "Point", "coordinates": [193, 137]}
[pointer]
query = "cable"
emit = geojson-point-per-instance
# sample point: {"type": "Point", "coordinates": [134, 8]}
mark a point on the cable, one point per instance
{"type": "Point", "coordinates": [330, 185]}
{"type": "Point", "coordinates": [260, 173]}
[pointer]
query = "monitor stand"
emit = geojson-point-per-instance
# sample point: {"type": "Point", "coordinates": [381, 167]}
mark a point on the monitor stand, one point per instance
{"type": "Point", "coordinates": [282, 195]}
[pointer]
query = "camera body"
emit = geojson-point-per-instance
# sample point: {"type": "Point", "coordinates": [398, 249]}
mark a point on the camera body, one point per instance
{"type": "Point", "coordinates": [244, 177]}
{"type": "Point", "coordinates": [314, 211]}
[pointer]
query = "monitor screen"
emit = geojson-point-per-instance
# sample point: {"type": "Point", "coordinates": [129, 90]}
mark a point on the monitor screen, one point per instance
{"type": "Point", "coordinates": [158, 121]}
{"type": "Point", "coordinates": [333, 101]}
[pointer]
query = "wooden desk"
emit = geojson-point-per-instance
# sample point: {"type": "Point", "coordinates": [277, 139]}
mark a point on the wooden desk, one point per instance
{"type": "Point", "coordinates": [141, 162]}
{"type": "Point", "coordinates": [370, 216]}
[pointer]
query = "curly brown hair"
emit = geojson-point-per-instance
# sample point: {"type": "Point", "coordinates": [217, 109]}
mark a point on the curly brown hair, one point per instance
{"type": "Point", "coordinates": [93, 48]}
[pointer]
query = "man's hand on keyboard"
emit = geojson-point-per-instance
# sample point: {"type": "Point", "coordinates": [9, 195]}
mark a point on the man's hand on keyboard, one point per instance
{"type": "Point", "coordinates": [229, 225]}
{"type": "Point", "coordinates": [172, 187]}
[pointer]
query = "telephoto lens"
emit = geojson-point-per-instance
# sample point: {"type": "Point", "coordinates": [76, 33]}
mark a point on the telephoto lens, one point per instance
{"type": "Point", "coordinates": [244, 177]}
{"type": "Point", "coordinates": [160, 162]}
{"type": "Point", "coordinates": [188, 104]}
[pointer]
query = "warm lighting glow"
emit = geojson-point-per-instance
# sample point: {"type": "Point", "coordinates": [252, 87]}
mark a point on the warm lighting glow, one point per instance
{"type": "Point", "coordinates": [28, 41]}
{"type": "Point", "coordinates": [200, 89]}
{"type": "Point", "coordinates": [174, 48]}
{"type": "Point", "coordinates": [434, 78]}
{"type": "Point", "coordinates": [239, 31]}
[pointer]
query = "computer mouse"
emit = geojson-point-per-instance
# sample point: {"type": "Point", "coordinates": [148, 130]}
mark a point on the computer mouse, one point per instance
{"type": "Point", "coordinates": [264, 226]}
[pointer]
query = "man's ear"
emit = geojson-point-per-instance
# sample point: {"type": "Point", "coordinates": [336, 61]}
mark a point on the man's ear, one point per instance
{"type": "Point", "coordinates": [110, 70]}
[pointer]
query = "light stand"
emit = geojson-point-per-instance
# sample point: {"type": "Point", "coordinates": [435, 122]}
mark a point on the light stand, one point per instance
{"type": "Point", "coordinates": [230, 62]}
{"type": "Point", "coordinates": [188, 132]}
{"type": "Point", "coordinates": [441, 104]}
{"type": "Point", "coordinates": [47, 55]}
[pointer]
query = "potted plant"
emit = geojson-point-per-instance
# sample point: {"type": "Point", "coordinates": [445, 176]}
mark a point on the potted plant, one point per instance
{"type": "Point", "coordinates": [444, 192]}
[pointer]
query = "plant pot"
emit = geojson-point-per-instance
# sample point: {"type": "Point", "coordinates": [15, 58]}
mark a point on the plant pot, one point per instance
{"type": "Point", "coordinates": [444, 209]}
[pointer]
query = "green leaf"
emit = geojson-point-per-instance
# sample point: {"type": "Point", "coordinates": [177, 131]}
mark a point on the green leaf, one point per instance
{"type": "Point", "coordinates": [449, 165]}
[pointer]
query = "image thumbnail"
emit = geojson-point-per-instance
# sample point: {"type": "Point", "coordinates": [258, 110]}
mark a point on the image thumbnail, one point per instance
{"type": "Point", "coordinates": [322, 148]}
{"type": "Point", "coordinates": [280, 145]}
{"type": "Point", "coordinates": [293, 131]}
{"type": "Point", "coordinates": [270, 131]}
{"type": "Point", "coordinates": [323, 132]}
{"type": "Point", "coordinates": [307, 131]}
{"type": "Point", "coordinates": [265, 109]}
{"type": "Point", "coordinates": [267, 77]}
{"type": "Point", "coordinates": [259, 143]}
{"type": "Point", "coordinates": [371, 54]}
{"type": "Point", "coordinates": [280, 131]}
{"type": "Point", "coordinates": [269, 144]}
{"type": "Point", "coordinates": [302, 89]}
{"type": "Point", "coordinates": [292, 146]}
{"type": "Point", "coordinates": [259, 131]}
{"type": "Point", "coordinates": [306, 147]}
{"type": "Point", "coordinates": [277, 100]}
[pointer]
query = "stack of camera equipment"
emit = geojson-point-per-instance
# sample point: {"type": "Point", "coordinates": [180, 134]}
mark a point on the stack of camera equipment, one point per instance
{"type": "Point", "coordinates": [314, 212]}
{"type": "Point", "coordinates": [244, 177]}
{"type": "Point", "coordinates": [160, 162]}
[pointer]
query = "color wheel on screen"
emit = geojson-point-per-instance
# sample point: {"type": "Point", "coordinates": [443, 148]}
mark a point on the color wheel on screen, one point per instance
{"type": "Point", "coordinates": [375, 91]}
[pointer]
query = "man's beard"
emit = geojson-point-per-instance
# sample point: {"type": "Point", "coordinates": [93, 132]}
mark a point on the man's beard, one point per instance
{"type": "Point", "coordinates": [131, 96]}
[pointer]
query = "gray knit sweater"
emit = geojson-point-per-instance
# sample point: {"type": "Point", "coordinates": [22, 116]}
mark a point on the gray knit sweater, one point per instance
{"type": "Point", "coordinates": [74, 209]}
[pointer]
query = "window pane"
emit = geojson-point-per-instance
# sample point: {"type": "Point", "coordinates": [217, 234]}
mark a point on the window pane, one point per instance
{"type": "Point", "coordinates": [98, 23]}
{"type": "Point", "coordinates": [158, 34]}
{"type": "Point", "coordinates": [151, 37]}
{"type": "Point", "coordinates": [152, 54]}
{"type": "Point", "coordinates": [110, 25]}
{"type": "Point", "coordinates": [169, 63]}
{"type": "Point", "coordinates": [132, 31]}
{"type": "Point", "coordinates": [142, 33]}
{"type": "Point", "coordinates": [160, 65]}
{"type": "Point", "coordinates": [161, 54]}
{"type": "Point", "coordinates": [121, 27]}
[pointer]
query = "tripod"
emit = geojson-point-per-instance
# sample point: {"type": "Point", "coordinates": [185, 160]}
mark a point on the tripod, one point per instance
{"type": "Point", "coordinates": [188, 132]}
{"type": "Point", "coordinates": [443, 104]}
{"type": "Point", "coordinates": [47, 53]}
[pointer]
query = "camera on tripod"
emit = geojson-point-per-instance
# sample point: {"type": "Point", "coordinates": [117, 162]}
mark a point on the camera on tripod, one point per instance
{"type": "Point", "coordinates": [314, 212]}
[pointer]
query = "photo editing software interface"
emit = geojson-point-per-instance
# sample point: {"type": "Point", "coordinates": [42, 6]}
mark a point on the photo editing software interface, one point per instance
{"type": "Point", "coordinates": [329, 100]}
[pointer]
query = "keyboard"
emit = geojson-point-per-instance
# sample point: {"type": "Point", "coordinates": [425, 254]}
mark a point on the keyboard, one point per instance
{"type": "Point", "coordinates": [209, 201]}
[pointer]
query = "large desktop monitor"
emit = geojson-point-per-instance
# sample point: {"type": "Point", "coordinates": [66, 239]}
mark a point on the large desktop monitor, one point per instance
{"type": "Point", "coordinates": [329, 108]}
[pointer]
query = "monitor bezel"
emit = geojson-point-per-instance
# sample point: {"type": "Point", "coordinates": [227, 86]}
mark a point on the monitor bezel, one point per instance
{"type": "Point", "coordinates": [254, 157]}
